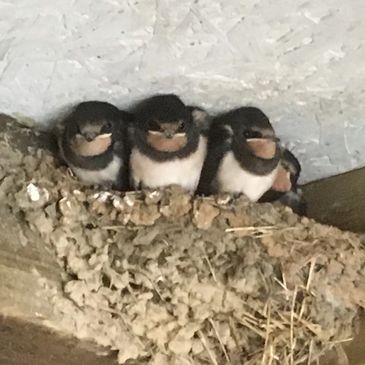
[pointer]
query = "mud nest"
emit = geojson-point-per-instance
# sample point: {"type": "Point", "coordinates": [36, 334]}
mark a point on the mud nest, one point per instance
{"type": "Point", "coordinates": [166, 278]}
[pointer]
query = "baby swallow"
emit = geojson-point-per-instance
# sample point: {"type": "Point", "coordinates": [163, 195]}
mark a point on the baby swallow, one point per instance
{"type": "Point", "coordinates": [93, 144]}
{"type": "Point", "coordinates": [169, 143]}
{"type": "Point", "coordinates": [243, 154]}
{"type": "Point", "coordinates": [285, 188]}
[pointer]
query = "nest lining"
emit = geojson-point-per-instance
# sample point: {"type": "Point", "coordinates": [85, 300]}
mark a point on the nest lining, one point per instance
{"type": "Point", "coordinates": [166, 278]}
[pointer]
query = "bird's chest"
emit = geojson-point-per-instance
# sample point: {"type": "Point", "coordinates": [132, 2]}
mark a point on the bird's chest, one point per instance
{"type": "Point", "coordinates": [99, 176]}
{"type": "Point", "coordinates": [178, 171]}
{"type": "Point", "coordinates": [232, 178]}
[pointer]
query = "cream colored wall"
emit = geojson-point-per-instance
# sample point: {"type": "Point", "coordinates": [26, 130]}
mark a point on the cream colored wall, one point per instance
{"type": "Point", "coordinates": [301, 61]}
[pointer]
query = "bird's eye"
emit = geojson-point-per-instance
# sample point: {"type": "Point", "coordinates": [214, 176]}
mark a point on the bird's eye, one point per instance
{"type": "Point", "coordinates": [154, 126]}
{"type": "Point", "coordinates": [181, 125]}
{"type": "Point", "coordinates": [107, 127]}
{"type": "Point", "coordinates": [252, 134]}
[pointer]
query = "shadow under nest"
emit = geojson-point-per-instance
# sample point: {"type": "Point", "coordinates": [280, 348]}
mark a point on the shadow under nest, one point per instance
{"type": "Point", "coordinates": [166, 278]}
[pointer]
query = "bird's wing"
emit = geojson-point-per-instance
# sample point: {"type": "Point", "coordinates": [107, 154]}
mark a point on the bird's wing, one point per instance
{"type": "Point", "coordinates": [218, 146]}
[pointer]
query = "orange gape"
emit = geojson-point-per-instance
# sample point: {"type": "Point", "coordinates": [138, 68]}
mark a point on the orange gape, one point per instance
{"type": "Point", "coordinates": [263, 148]}
{"type": "Point", "coordinates": [160, 143]}
{"type": "Point", "coordinates": [282, 182]}
{"type": "Point", "coordinates": [96, 147]}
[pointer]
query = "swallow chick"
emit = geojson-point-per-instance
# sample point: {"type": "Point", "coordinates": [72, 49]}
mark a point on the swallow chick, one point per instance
{"type": "Point", "coordinates": [169, 143]}
{"type": "Point", "coordinates": [285, 188]}
{"type": "Point", "coordinates": [93, 143]}
{"type": "Point", "coordinates": [243, 154]}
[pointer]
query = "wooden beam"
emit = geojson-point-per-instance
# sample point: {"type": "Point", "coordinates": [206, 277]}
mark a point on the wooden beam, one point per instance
{"type": "Point", "coordinates": [30, 331]}
{"type": "Point", "coordinates": [338, 200]}
{"type": "Point", "coordinates": [25, 343]}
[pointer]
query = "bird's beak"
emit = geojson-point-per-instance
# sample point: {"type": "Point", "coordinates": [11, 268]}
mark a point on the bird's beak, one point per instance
{"type": "Point", "coordinates": [89, 136]}
{"type": "Point", "coordinates": [85, 146]}
{"type": "Point", "coordinates": [262, 147]}
{"type": "Point", "coordinates": [267, 139]}
{"type": "Point", "coordinates": [271, 138]}
{"type": "Point", "coordinates": [168, 134]}
{"type": "Point", "coordinates": [105, 135]}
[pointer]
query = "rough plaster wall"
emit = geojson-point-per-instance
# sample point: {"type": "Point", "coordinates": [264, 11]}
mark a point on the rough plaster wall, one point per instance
{"type": "Point", "coordinates": [301, 61]}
